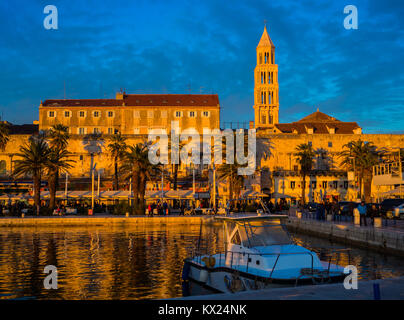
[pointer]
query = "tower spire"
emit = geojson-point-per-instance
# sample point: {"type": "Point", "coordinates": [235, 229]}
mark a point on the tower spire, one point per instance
{"type": "Point", "coordinates": [266, 89]}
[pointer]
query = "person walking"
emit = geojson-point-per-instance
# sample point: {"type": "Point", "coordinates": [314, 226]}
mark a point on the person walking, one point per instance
{"type": "Point", "coordinates": [336, 211]}
{"type": "Point", "coordinates": [374, 213]}
{"type": "Point", "coordinates": [228, 208]}
{"type": "Point", "coordinates": [362, 212]}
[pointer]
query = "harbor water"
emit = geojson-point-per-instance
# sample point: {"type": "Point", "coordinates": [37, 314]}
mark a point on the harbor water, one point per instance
{"type": "Point", "coordinates": [132, 262]}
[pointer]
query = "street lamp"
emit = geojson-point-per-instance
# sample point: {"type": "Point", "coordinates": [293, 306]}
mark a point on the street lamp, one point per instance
{"type": "Point", "coordinates": [354, 178]}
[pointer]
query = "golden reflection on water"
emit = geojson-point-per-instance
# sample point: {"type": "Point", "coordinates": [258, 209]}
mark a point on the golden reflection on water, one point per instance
{"type": "Point", "coordinates": [132, 262]}
{"type": "Point", "coordinates": [98, 262]}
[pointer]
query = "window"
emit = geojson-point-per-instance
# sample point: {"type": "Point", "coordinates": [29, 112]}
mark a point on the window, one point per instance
{"type": "Point", "coordinates": [164, 114]}
{"type": "Point", "coordinates": [150, 114]}
{"type": "Point", "coordinates": [192, 114]}
{"type": "Point", "coordinates": [313, 184]}
{"type": "Point", "coordinates": [136, 131]}
{"type": "Point", "coordinates": [345, 184]}
{"type": "Point", "coordinates": [206, 114]}
{"type": "Point", "coordinates": [82, 131]}
{"type": "Point", "coordinates": [178, 114]}
{"type": "Point", "coordinates": [96, 114]}
{"type": "Point", "coordinates": [110, 114]}
{"type": "Point", "coordinates": [111, 131]}
{"type": "Point", "coordinates": [335, 184]}
{"type": "Point", "coordinates": [82, 114]}
{"type": "Point", "coordinates": [292, 184]}
{"type": "Point", "coordinates": [67, 114]}
{"type": "Point", "coordinates": [136, 114]}
{"type": "Point", "coordinates": [81, 157]}
{"type": "Point", "coordinates": [329, 144]}
{"type": "Point", "coordinates": [51, 114]}
{"type": "Point", "coordinates": [97, 130]}
{"type": "Point", "coordinates": [324, 184]}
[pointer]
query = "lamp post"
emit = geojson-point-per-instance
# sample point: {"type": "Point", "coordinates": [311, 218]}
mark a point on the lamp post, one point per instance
{"type": "Point", "coordinates": [67, 175]}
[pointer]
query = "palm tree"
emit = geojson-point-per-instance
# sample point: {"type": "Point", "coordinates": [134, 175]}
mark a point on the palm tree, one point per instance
{"type": "Point", "coordinates": [305, 155]}
{"type": "Point", "coordinates": [93, 143]}
{"type": "Point", "coordinates": [58, 136]}
{"type": "Point", "coordinates": [137, 166]}
{"type": "Point", "coordinates": [362, 155]}
{"type": "Point", "coordinates": [4, 135]}
{"type": "Point", "coordinates": [58, 161]}
{"type": "Point", "coordinates": [230, 172]}
{"type": "Point", "coordinates": [33, 158]}
{"type": "Point", "coordinates": [117, 148]}
{"type": "Point", "coordinates": [58, 139]}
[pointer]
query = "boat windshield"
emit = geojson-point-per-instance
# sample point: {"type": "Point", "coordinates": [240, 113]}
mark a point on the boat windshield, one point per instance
{"type": "Point", "coordinates": [263, 233]}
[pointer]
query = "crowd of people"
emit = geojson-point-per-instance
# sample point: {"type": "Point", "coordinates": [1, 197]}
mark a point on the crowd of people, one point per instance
{"type": "Point", "coordinates": [333, 208]}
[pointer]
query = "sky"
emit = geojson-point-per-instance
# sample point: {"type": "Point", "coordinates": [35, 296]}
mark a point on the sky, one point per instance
{"type": "Point", "coordinates": [180, 46]}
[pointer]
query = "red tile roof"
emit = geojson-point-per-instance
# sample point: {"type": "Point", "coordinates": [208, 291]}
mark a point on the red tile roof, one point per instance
{"type": "Point", "coordinates": [320, 123]}
{"type": "Point", "coordinates": [209, 100]}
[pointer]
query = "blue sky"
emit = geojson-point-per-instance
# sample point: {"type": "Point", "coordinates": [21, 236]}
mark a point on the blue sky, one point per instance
{"type": "Point", "coordinates": [208, 46]}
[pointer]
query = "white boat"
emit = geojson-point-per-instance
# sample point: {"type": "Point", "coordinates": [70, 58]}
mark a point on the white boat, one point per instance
{"type": "Point", "coordinates": [259, 254]}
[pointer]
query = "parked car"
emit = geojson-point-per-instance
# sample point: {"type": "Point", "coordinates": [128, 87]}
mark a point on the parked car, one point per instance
{"type": "Point", "coordinates": [387, 207]}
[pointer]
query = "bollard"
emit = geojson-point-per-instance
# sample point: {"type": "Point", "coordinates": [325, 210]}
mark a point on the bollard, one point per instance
{"type": "Point", "coordinates": [22, 215]}
{"type": "Point", "coordinates": [127, 214]}
{"type": "Point", "coordinates": [376, 291]}
{"type": "Point", "coordinates": [90, 212]}
{"type": "Point", "coordinates": [377, 222]}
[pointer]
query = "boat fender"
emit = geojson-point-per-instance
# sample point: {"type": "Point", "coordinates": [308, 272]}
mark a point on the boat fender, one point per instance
{"type": "Point", "coordinates": [209, 261]}
{"type": "Point", "coordinates": [185, 271]}
{"type": "Point", "coordinates": [203, 275]}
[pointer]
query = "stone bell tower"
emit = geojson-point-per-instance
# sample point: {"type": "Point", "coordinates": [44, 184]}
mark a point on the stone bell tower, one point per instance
{"type": "Point", "coordinates": [266, 89]}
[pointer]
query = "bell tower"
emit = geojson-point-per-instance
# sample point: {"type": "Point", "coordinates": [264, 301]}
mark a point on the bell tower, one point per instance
{"type": "Point", "coordinates": [266, 89]}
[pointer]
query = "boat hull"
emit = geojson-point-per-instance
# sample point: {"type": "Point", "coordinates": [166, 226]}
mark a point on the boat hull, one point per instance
{"type": "Point", "coordinates": [227, 280]}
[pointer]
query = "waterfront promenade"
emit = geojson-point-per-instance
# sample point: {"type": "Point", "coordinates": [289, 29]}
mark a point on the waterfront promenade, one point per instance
{"type": "Point", "coordinates": [385, 239]}
{"type": "Point", "coordinates": [100, 220]}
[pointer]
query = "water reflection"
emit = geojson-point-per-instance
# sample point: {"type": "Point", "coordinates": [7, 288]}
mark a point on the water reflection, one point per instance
{"type": "Point", "coordinates": [137, 262]}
